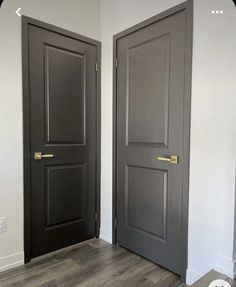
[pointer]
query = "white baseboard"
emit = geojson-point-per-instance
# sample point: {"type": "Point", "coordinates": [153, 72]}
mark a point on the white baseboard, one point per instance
{"type": "Point", "coordinates": [192, 276]}
{"type": "Point", "coordinates": [11, 261]}
{"type": "Point", "coordinates": [106, 235]}
{"type": "Point", "coordinates": [225, 265]}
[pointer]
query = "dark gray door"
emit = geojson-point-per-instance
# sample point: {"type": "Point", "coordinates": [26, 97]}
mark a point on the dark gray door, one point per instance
{"type": "Point", "coordinates": [150, 116]}
{"type": "Point", "coordinates": [62, 92]}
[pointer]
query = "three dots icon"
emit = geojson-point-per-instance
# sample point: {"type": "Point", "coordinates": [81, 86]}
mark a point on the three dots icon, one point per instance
{"type": "Point", "coordinates": [217, 11]}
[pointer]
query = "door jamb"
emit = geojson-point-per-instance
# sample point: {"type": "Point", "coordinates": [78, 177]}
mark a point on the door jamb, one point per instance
{"type": "Point", "coordinates": [26, 22]}
{"type": "Point", "coordinates": [186, 6]}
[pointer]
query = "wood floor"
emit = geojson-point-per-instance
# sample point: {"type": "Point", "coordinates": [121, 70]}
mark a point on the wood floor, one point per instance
{"type": "Point", "coordinates": [88, 264]}
{"type": "Point", "coordinates": [211, 276]}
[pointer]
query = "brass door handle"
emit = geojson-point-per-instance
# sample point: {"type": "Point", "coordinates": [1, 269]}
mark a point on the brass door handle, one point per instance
{"type": "Point", "coordinates": [174, 159]}
{"type": "Point", "coordinates": [38, 155]}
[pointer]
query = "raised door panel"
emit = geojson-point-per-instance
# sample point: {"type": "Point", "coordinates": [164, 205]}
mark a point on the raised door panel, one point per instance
{"type": "Point", "coordinates": [145, 199]}
{"type": "Point", "coordinates": [65, 194]}
{"type": "Point", "coordinates": [65, 96]}
{"type": "Point", "coordinates": [148, 91]}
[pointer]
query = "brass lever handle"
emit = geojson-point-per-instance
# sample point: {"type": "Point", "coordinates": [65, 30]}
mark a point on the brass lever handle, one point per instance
{"type": "Point", "coordinates": [174, 159]}
{"type": "Point", "coordinates": [39, 155]}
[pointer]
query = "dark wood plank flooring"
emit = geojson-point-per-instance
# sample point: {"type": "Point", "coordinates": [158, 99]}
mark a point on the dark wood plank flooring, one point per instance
{"type": "Point", "coordinates": [88, 264]}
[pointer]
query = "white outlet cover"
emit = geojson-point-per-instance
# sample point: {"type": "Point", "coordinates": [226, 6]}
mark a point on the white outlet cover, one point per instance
{"type": "Point", "coordinates": [3, 224]}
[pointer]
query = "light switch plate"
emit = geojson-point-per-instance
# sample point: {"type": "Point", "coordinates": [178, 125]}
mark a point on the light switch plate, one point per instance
{"type": "Point", "coordinates": [3, 224]}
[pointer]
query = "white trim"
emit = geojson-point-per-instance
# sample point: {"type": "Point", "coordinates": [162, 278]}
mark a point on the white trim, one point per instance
{"type": "Point", "coordinates": [192, 276]}
{"type": "Point", "coordinates": [106, 235]}
{"type": "Point", "coordinates": [11, 261]}
{"type": "Point", "coordinates": [225, 265]}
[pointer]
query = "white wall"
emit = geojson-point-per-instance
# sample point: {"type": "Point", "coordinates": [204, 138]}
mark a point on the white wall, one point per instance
{"type": "Point", "coordinates": [213, 128]}
{"type": "Point", "coordinates": [213, 139]}
{"type": "Point", "coordinates": [76, 15]}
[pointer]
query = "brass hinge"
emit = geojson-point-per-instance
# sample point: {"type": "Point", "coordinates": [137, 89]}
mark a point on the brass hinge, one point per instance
{"type": "Point", "coordinates": [96, 67]}
{"type": "Point", "coordinates": [95, 217]}
{"type": "Point", "coordinates": [116, 63]}
{"type": "Point", "coordinates": [115, 222]}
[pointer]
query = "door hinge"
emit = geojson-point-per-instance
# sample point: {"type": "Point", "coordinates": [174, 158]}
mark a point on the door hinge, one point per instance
{"type": "Point", "coordinates": [116, 63]}
{"type": "Point", "coordinates": [115, 223]}
{"type": "Point", "coordinates": [95, 217]}
{"type": "Point", "coordinates": [96, 67]}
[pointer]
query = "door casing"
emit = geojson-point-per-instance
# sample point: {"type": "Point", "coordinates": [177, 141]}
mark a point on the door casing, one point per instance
{"type": "Point", "coordinates": [26, 21]}
{"type": "Point", "coordinates": [188, 8]}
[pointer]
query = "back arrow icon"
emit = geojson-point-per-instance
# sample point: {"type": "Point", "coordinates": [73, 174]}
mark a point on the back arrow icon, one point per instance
{"type": "Point", "coordinates": [17, 12]}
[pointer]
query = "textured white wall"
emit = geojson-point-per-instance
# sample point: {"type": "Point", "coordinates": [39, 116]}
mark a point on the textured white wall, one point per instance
{"type": "Point", "coordinates": [212, 166]}
{"type": "Point", "coordinates": [78, 16]}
